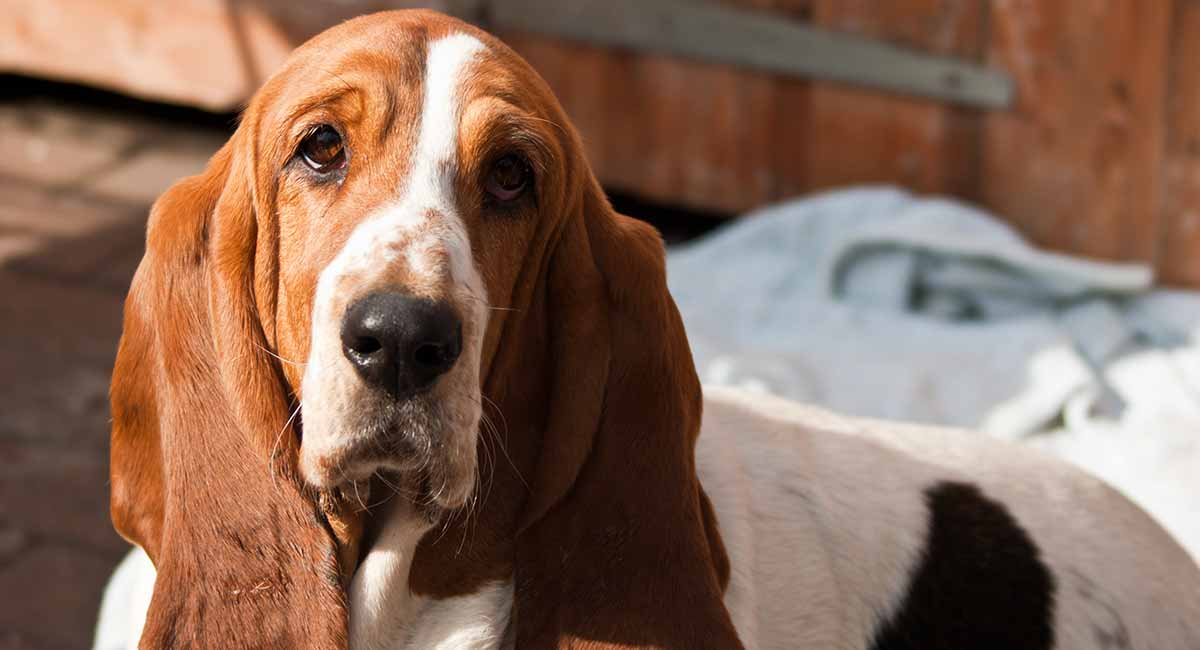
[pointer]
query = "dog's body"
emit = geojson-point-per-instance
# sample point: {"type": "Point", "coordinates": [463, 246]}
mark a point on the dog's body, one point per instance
{"type": "Point", "coordinates": [847, 533]}
{"type": "Point", "coordinates": [859, 534]}
{"type": "Point", "coordinates": [395, 374]}
{"type": "Point", "coordinates": [830, 524]}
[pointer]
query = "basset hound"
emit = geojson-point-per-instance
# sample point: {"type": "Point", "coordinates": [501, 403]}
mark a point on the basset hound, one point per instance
{"type": "Point", "coordinates": [395, 375]}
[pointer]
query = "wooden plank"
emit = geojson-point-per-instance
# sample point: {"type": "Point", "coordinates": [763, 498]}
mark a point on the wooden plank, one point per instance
{"type": "Point", "coordinates": [756, 41]}
{"type": "Point", "coordinates": [1076, 165]}
{"type": "Point", "coordinates": [850, 135]}
{"type": "Point", "coordinates": [724, 139]}
{"type": "Point", "coordinates": [677, 131]}
{"type": "Point", "coordinates": [1179, 259]}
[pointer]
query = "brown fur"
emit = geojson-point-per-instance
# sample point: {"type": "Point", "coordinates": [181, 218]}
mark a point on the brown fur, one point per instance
{"type": "Point", "coordinates": [237, 543]}
{"type": "Point", "coordinates": [593, 507]}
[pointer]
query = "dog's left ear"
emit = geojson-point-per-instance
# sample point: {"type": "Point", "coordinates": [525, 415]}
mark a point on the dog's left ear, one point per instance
{"type": "Point", "coordinates": [203, 449]}
{"type": "Point", "coordinates": [618, 546]}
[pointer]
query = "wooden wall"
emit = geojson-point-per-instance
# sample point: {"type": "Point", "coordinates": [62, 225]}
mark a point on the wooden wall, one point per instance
{"type": "Point", "coordinates": [1100, 154]}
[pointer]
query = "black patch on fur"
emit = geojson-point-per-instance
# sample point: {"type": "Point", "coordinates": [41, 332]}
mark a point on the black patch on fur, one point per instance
{"type": "Point", "coordinates": [980, 585]}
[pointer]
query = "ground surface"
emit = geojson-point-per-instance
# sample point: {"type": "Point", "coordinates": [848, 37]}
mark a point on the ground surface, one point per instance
{"type": "Point", "coordinates": [75, 186]}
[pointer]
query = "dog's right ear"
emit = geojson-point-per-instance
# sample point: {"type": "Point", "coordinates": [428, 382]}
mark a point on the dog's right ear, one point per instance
{"type": "Point", "coordinates": [203, 452]}
{"type": "Point", "coordinates": [618, 546]}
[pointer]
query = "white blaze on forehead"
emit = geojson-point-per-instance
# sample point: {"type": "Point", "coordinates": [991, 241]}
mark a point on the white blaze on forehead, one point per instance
{"type": "Point", "coordinates": [417, 237]}
{"type": "Point", "coordinates": [407, 227]}
{"type": "Point", "coordinates": [436, 152]}
{"type": "Point", "coordinates": [422, 229]}
{"type": "Point", "coordinates": [431, 183]}
{"type": "Point", "coordinates": [436, 156]}
{"type": "Point", "coordinates": [422, 225]}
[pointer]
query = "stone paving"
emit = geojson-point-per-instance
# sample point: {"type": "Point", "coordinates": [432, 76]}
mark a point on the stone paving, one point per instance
{"type": "Point", "coordinates": [75, 187]}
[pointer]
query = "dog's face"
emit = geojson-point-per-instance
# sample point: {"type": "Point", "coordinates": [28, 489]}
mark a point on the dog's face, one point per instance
{"type": "Point", "coordinates": [411, 174]}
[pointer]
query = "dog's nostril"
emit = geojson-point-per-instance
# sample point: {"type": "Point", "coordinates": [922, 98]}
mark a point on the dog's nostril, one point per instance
{"type": "Point", "coordinates": [430, 354]}
{"type": "Point", "coordinates": [365, 345]}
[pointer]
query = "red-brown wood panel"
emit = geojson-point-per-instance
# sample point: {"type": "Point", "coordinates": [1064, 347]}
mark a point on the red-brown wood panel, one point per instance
{"type": "Point", "coordinates": [729, 139]}
{"type": "Point", "coordinates": [852, 135]}
{"type": "Point", "coordinates": [1100, 155]}
{"type": "Point", "coordinates": [678, 131]}
{"type": "Point", "coordinates": [1179, 253]}
{"type": "Point", "coordinates": [1077, 165]}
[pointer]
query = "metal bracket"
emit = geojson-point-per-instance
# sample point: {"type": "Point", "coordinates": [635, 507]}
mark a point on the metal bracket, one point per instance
{"type": "Point", "coordinates": [718, 34]}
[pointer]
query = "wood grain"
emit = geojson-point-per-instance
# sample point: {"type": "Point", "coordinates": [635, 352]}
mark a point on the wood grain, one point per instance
{"type": "Point", "coordinates": [1179, 252]}
{"type": "Point", "coordinates": [667, 129]}
{"type": "Point", "coordinates": [1077, 165]}
{"type": "Point", "coordinates": [725, 139]}
{"type": "Point", "coordinates": [852, 135]}
{"type": "Point", "coordinates": [1099, 157]}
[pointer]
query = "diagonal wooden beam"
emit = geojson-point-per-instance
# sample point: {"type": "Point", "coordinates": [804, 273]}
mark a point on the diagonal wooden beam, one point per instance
{"type": "Point", "coordinates": [719, 34]}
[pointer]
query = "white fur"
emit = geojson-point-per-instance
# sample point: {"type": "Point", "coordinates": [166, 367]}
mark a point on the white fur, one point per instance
{"type": "Point", "coordinates": [474, 622]}
{"type": "Point", "coordinates": [823, 518]}
{"type": "Point", "coordinates": [421, 237]}
{"type": "Point", "coordinates": [386, 615]}
{"type": "Point", "coordinates": [382, 609]}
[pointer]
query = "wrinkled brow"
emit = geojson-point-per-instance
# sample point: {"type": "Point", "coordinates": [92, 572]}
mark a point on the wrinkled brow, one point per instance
{"type": "Point", "coordinates": [493, 122]}
{"type": "Point", "coordinates": [359, 75]}
{"type": "Point", "coordinates": [323, 99]}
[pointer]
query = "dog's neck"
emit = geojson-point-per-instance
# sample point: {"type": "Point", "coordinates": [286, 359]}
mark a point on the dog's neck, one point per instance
{"type": "Point", "coordinates": [385, 613]}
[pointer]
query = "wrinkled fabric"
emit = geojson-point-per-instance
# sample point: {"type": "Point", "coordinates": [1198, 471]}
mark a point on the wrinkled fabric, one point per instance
{"type": "Point", "coordinates": [875, 302]}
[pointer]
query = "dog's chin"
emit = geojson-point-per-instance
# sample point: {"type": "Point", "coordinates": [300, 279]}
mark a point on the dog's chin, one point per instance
{"type": "Point", "coordinates": [400, 455]}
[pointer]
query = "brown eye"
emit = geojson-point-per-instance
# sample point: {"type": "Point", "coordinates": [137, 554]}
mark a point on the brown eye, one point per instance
{"type": "Point", "coordinates": [508, 178]}
{"type": "Point", "coordinates": [322, 150]}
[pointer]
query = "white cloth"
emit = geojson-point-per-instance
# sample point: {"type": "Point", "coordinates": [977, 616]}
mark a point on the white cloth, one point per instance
{"type": "Point", "coordinates": [877, 303]}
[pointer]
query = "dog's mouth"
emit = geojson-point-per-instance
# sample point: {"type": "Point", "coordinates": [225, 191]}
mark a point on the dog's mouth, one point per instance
{"type": "Point", "coordinates": [401, 450]}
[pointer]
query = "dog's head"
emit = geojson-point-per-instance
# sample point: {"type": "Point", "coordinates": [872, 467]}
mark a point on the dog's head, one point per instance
{"type": "Point", "coordinates": [402, 234]}
{"type": "Point", "coordinates": [409, 188]}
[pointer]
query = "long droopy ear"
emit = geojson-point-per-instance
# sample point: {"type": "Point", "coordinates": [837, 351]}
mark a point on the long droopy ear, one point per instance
{"type": "Point", "coordinates": [617, 545]}
{"type": "Point", "coordinates": [203, 451]}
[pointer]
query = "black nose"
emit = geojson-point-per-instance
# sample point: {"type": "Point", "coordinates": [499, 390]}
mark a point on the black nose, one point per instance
{"type": "Point", "coordinates": [401, 343]}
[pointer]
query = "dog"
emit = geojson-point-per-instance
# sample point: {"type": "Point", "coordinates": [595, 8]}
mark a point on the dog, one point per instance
{"type": "Point", "coordinates": [394, 374]}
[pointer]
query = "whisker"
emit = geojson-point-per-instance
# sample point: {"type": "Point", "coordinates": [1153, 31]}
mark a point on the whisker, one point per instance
{"type": "Point", "coordinates": [389, 497]}
{"type": "Point", "coordinates": [395, 492]}
{"type": "Point", "coordinates": [503, 446]}
{"type": "Point", "coordinates": [278, 439]}
{"type": "Point", "coordinates": [357, 496]}
{"type": "Point", "coordinates": [445, 527]}
{"type": "Point", "coordinates": [462, 540]}
{"type": "Point", "coordinates": [490, 432]}
{"type": "Point", "coordinates": [470, 294]}
{"type": "Point", "coordinates": [289, 361]}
